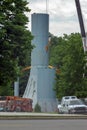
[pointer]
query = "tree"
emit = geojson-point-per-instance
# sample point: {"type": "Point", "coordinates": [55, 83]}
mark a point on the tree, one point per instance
{"type": "Point", "coordinates": [70, 59]}
{"type": "Point", "coordinates": [15, 41]}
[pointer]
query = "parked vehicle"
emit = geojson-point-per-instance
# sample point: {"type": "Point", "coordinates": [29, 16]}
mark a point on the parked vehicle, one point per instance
{"type": "Point", "coordinates": [72, 105]}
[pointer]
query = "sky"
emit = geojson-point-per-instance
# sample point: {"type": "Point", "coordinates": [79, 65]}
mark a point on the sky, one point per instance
{"type": "Point", "coordinates": [63, 17]}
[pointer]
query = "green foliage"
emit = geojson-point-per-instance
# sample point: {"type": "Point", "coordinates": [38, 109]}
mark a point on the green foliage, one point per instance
{"type": "Point", "coordinates": [37, 108]}
{"type": "Point", "coordinates": [68, 56]}
{"type": "Point", "coordinates": [15, 40]}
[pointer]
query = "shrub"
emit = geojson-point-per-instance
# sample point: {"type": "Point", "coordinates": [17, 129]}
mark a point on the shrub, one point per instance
{"type": "Point", "coordinates": [37, 108]}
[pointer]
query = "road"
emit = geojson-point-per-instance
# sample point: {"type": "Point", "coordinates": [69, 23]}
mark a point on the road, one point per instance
{"type": "Point", "coordinates": [43, 124]}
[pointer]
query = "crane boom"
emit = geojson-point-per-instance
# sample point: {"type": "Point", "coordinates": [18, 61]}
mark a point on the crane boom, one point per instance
{"type": "Point", "coordinates": [78, 7]}
{"type": "Point", "coordinates": [81, 22]}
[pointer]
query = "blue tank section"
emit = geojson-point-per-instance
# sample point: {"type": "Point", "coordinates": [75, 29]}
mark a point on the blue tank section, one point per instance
{"type": "Point", "coordinates": [40, 32]}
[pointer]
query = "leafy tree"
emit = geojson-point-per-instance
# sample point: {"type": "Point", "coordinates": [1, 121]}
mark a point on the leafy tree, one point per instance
{"type": "Point", "coordinates": [15, 41]}
{"type": "Point", "coordinates": [69, 57]}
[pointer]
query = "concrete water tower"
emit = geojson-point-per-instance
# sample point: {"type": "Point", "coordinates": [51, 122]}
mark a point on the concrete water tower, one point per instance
{"type": "Point", "coordinates": [42, 78]}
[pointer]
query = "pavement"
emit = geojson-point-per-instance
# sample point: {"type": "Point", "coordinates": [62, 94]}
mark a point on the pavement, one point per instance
{"type": "Point", "coordinates": [31, 116]}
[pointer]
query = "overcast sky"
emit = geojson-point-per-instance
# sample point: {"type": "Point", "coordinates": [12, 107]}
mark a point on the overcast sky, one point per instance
{"type": "Point", "coordinates": [63, 15]}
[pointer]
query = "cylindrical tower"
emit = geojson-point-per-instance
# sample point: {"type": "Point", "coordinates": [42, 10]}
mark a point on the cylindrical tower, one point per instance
{"type": "Point", "coordinates": [40, 27]}
{"type": "Point", "coordinates": [42, 78]}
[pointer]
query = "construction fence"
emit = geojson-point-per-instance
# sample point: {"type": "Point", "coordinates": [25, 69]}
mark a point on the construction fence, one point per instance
{"type": "Point", "coordinates": [15, 104]}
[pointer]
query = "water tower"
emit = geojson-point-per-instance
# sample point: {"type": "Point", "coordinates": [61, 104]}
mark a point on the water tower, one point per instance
{"type": "Point", "coordinates": [42, 78]}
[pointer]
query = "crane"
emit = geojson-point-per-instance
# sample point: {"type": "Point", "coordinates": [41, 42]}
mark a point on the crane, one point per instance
{"type": "Point", "coordinates": [81, 22]}
{"type": "Point", "coordinates": [83, 33]}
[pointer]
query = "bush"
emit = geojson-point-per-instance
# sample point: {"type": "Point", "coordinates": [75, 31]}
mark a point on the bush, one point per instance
{"type": "Point", "coordinates": [37, 108]}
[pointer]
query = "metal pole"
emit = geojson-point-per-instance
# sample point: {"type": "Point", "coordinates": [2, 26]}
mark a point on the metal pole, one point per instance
{"type": "Point", "coordinates": [47, 3]}
{"type": "Point", "coordinates": [16, 87]}
{"type": "Point", "coordinates": [81, 22]}
{"type": "Point", "coordinates": [78, 7]}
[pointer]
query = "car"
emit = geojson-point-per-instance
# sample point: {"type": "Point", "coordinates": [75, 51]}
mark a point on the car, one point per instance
{"type": "Point", "coordinates": [72, 106]}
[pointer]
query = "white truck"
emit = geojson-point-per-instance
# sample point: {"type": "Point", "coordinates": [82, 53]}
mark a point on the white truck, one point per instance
{"type": "Point", "coordinates": [72, 105]}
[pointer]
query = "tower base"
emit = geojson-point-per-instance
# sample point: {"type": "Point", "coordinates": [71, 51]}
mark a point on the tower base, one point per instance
{"type": "Point", "coordinates": [40, 88]}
